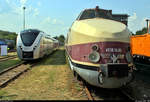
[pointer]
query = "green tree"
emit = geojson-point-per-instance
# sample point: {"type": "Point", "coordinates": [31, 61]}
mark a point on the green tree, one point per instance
{"type": "Point", "coordinates": [5, 35]}
{"type": "Point", "coordinates": [143, 31]}
{"type": "Point", "coordinates": [61, 38]}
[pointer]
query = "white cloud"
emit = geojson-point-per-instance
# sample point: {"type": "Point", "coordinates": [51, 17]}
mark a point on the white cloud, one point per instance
{"type": "Point", "coordinates": [39, 3]}
{"type": "Point", "coordinates": [56, 21]}
{"type": "Point", "coordinates": [8, 1]}
{"type": "Point", "coordinates": [49, 20]}
{"type": "Point", "coordinates": [23, 2]}
{"type": "Point", "coordinates": [143, 22]}
{"type": "Point", "coordinates": [133, 22]}
{"type": "Point", "coordinates": [46, 20]}
{"type": "Point", "coordinates": [18, 9]}
{"type": "Point", "coordinates": [136, 23]}
{"type": "Point", "coordinates": [36, 12]}
{"type": "Point", "coordinates": [65, 29]}
{"type": "Point", "coordinates": [133, 18]}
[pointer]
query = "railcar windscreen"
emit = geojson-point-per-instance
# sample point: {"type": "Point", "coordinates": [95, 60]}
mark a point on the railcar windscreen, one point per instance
{"type": "Point", "coordinates": [89, 14]}
{"type": "Point", "coordinates": [29, 37]}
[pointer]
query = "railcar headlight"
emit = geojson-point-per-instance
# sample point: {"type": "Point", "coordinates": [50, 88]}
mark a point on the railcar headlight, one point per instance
{"type": "Point", "coordinates": [94, 57]}
{"type": "Point", "coordinates": [128, 57]}
{"type": "Point", "coordinates": [20, 47]}
{"type": "Point", "coordinates": [95, 47]}
{"type": "Point", "coordinates": [34, 47]}
{"type": "Point", "coordinates": [120, 56]}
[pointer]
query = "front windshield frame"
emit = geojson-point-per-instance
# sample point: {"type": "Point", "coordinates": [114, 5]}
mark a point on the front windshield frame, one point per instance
{"type": "Point", "coordinates": [95, 14]}
{"type": "Point", "coordinates": [29, 37]}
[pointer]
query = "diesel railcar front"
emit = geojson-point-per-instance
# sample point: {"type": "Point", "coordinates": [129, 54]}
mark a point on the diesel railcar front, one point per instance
{"type": "Point", "coordinates": [97, 47]}
{"type": "Point", "coordinates": [33, 44]}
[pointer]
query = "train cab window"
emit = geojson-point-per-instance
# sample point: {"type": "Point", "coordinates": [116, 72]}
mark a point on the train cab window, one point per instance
{"type": "Point", "coordinates": [28, 37]}
{"type": "Point", "coordinates": [103, 14]}
{"type": "Point", "coordinates": [87, 14]}
{"type": "Point", "coordinates": [92, 13]}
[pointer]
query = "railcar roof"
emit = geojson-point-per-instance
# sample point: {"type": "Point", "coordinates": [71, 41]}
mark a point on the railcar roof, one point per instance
{"type": "Point", "coordinates": [30, 30]}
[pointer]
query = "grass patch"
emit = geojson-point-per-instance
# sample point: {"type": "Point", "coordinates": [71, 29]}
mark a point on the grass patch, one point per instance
{"type": "Point", "coordinates": [52, 76]}
{"type": "Point", "coordinates": [2, 93]}
{"type": "Point", "coordinates": [78, 87]}
{"type": "Point", "coordinates": [8, 63]}
{"type": "Point", "coordinates": [56, 58]}
{"type": "Point", "coordinates": [9, 54]}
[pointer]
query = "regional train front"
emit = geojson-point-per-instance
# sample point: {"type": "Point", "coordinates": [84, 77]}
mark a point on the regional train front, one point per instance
{"type": "Point", "coordinates": [28, 43]}
{"type": "Point", "coordinates": [98, 49]}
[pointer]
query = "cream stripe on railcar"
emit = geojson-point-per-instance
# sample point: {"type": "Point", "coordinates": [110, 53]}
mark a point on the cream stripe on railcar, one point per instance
{"type": "Point", "coordinates": [98, 30]}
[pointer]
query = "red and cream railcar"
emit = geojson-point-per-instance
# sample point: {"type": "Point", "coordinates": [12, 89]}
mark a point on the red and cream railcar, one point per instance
{"type": "Point", "coordinates": [98, 49]}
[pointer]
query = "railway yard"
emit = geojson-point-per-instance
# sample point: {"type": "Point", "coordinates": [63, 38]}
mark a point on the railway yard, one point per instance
{"type": "Point", "coordinates": [50, 78]}
{"type": "Point", "coordinates": [101, 55]}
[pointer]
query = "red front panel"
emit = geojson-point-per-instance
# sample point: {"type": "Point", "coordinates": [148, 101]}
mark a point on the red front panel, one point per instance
{"type": "Point", "coordinates": [81, 52]}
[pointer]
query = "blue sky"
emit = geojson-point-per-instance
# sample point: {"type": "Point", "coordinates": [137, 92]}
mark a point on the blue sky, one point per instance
{"type": "Point", "coordinates": [56, 16]}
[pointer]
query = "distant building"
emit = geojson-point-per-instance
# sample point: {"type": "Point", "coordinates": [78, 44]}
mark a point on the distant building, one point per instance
{"type": "Point", "coordinates": [10, 43]}
{"type": "Point", "coordinates": [2, 42]}
{"type": "Point", "coordinates": [3, 48]}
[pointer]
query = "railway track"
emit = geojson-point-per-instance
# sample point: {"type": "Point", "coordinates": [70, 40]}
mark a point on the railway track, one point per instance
{"type": "Point", "coordinates": [13, 72]}
{"type": "Point", "coordinates": [7, 58]}
{"type": "Point", "coordinates": [126, 92]}
{"type": "Point", "coordinates": [96, 93]}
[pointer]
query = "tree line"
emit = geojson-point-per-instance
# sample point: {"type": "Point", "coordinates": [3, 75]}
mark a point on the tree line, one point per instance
{"type": "Point", "coordinates": [142, 31]}
{"type": "Point", "coordinates": [12, 36]}
{"type": "Point", "coordinates": [8, 35]}
{"type": "Point", "coordinates": [61, 38]}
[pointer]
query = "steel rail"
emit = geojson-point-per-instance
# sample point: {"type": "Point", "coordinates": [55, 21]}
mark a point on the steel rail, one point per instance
{"type": "Point", "coordinates": [7, 58]}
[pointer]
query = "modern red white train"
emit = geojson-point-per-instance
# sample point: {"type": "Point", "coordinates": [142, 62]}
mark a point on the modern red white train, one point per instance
{"type": "Point", "coordinates": [34, 44]}
{"type": "Point", "coordinates": [98, 49]}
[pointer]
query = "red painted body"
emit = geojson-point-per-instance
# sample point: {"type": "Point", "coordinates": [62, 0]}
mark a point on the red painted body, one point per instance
{"type": "Point", "coordinates": [80, 52]}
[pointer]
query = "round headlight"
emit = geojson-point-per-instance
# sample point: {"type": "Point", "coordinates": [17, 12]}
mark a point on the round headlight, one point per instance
{"type": "Point", "coordinates": [94, 57]}
{"type": "Point", "coordinates": [95, 47]}
{"type": "Point", "coordinates": [128, 57]}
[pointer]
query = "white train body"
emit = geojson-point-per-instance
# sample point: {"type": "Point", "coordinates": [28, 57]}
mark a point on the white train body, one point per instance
{"type": "Point", "coordinates": [33, 44]}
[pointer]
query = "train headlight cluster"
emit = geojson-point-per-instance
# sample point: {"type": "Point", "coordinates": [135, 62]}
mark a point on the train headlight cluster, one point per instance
{"type": "Point", "coordinates": [94, 57]}
{"type": "Point", "coordinates": [34, 47]}
{"type": "Point", "coordinates": [95, 47]}
{"type": "Point", "coordinates": [20, 47]}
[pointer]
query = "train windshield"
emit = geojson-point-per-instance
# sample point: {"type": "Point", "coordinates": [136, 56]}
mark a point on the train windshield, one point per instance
{"type": "Point", "coordinates": [89, 14]}
{"type": "Point", "coordinates": [29, 37]}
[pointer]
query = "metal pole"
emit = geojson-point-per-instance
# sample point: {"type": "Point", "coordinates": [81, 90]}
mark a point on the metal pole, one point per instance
{"type": "Point", "coordinates": [24, 18]}
{"type": "Point", "coordinates": [147, 21]}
